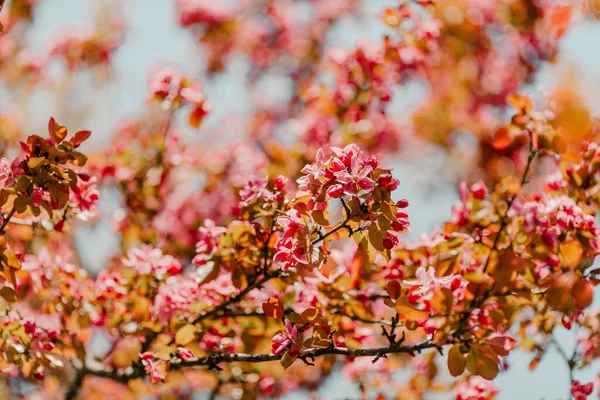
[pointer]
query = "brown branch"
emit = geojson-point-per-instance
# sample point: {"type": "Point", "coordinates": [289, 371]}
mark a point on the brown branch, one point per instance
{"type": "Point", "coordinates": [238, 297]}
{"type": "Point", "coordinates": [71, 394]}
{"type": "Point", "coordinates": [570, 361]}
{"type": "Point", "coordinates": [212, 360]}
{"type": "Point", "coordinates": [13, 211]}
{"type": "Point", "coordinates": [342, 225]}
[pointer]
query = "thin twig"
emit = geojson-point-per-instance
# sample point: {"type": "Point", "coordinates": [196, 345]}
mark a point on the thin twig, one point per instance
{"type": "Point", "coordinates": [569, 360]}
{"type": "Point", "coordinates": [10, 214]}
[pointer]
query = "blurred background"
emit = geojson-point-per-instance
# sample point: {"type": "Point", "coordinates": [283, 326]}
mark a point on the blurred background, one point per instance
{"type": "Point", "coordinates": [101, 99]}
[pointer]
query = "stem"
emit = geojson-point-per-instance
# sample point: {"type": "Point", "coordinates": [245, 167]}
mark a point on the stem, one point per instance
{"type": "Point", "coordinates": [238, 297]}
{"type": "Point", "coordinates": [13, 211]}
{"type": "Point", "coordinates": [342, 225]}
{"type": "Point", "coordinates": [511, 200]}
{"type": "Point", "coordinates": [167, 127]}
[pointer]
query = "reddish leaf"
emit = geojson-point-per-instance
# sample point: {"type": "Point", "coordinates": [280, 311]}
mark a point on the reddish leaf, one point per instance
{"type": "Point", "coordinates": [80, 137]}
{"type": "Point", "coordinates": [57, 133]}
{"type": "Point", "coordinates": [273, 308]}
{"type": "Point", "coordinates": [583, 293]}
{"type": "Point", "coordinates": [394, 289]}
{"type": "Point", "coordinates": [502, 138]}
{"type": "Point", "coordinates": [502, 344]}
{"type": "Point", "coordinates": [559, 19]}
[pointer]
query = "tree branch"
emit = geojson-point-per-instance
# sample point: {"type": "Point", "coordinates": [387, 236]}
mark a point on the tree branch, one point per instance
{"type": "Point", "coordinates": [212, 360]}
{"type": "Point", "coordinates": [13, 211]}
{"type": "Point", "coordinates": [569, 360]}
{"type": "Point", "coordinates": [342, 225]}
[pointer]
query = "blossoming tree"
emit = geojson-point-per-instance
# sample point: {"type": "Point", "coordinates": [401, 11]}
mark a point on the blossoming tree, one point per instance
{"type": "Point", "coordinates": [291, 258]}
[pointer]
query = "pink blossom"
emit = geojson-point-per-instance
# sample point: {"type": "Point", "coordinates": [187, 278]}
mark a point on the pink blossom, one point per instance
{"type": "Point", "coordinates": [37, 196]}
{"type": "Point", "coordinates": [581, 392]}
{"type": "Point", "coordinates": [6, 176]}
{"type": "Point", "coordinates": [282, 340]}
{"type": "Point", "coordinates": [427, 283]}
{"type": "Point", "coordinates": [148, 260]}
{"type": "Point", "coordinates": [254, 190]}
{"type": "Point", "coordinates": [355, 175]}
{"type": "Point", "coordinates": [208, 242]}
{"type": "Point", "coordinates": [475, 388]}
{"type": "Point", "coordinates": [290, 252]}
{"type": "Point", "coordinates": [165, 82]}
{"type": "Point", "coordinates": [150, 367]}
{"type": "Point", "coordinates": [110, 284]}
{"type": "Point", "coordinates": [186, 354]}
{"type": "Point", "coordinates": [175, 296]}
{"type": "Point", "coordinates": [291, 223]}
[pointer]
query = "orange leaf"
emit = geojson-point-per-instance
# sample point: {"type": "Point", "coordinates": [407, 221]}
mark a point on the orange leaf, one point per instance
{"type": "Point", "coordinates": [273, 308]}
{"type": "Point", "coordinates": [502, 138]}
{"type": "Point", "coordinates": [582, 293]}
{"type": "Point", "coordinates": [287, 360]}
{"type": "Point", "coordinates": [408, 311]}
{"type": "Point", "coordinates": [185, 335]}
{"type": "Point", "coordinates": [456, 361]}
{"type": "Point", "coordinates": [572, 253]}
{"type": "Point", "coordinates": [310, 316]}
{"type": "Point", "coordinates": [57, 133]}
{"type": "Point", "coordinates": [560, 19]}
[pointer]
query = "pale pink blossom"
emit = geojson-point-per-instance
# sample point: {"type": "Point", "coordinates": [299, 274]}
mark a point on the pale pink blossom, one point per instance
{"type": "Point", "coordinates": [175, 296]}
{"type": "Point", "coordinates": [148, 260]}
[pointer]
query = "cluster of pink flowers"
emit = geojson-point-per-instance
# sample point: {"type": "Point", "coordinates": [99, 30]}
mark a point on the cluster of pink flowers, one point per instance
{"type": "Point", "coordinates": [208, 242]}
{"type": "Point", "coordinates": [174, 90]}
{"type": "Point", "coordinates": [37, 344]}
{"type": "Point", "coordinates": [427, 283]}
{"type": "Point", "coordinates": [461, 213]}
{"type": "Point", "coordinates": [581, 392]}
{"type": "Point", "coordinates": [45, 270]}
{"type": "Point", "coordinates": [283, 339]}
{"type": "Point", "coordinates": [175, 296]}
{"type": "Point", "coordinates": [475, 388]}
{"type": "Point", "coordinates": [350, 172]}
{"type": "Point", "coordinates": [290, 252]}
{"type": "Point", "coordinates": [79, 48]}
{"type": "Point", "coordinates": [148, 260]}
{"type": "Point", "coordinates": [150, 365]}
{"type": "Point", "coordinates": [190, 12]}
{"type": "Point", "coordinates": [6, 175]}
{"type": "Point", "coordinates": [110, 284]}
{"type": "Point", "coordinates": [258, 189]}
{"type": "Point", "coordinates": [556, 214]}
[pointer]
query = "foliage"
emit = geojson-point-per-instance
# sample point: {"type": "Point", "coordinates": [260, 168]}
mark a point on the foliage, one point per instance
{"type": "Point", "coordinates": [292, 257]}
